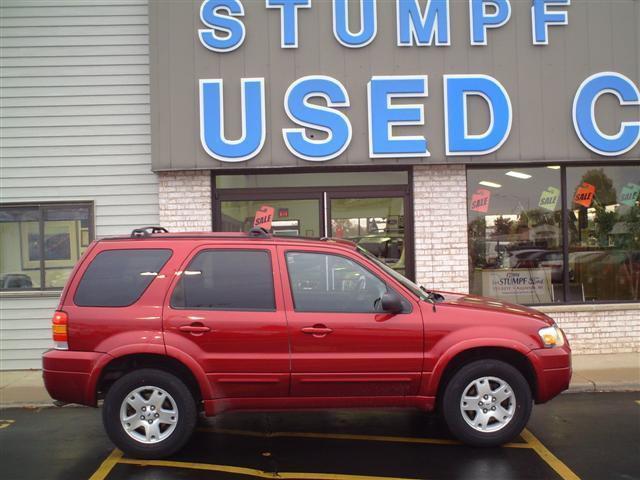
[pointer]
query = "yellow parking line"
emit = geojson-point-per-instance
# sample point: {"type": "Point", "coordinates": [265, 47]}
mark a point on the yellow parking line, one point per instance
{"type": "Point", "coordinates": [105, 468]}
{"type": "Point", "coordinates": [251, 471]}
{"type": "Point", "coordinates": [347, 436]}
{"type": "Point", "coordinates": [554, 462]}
{"type": "Point", "coordinates": [6, 423]}
{"type": "Point", "coordinates": [638, 402]}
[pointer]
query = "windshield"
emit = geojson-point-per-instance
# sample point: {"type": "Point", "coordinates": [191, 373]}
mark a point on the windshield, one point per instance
{"type": "Point", "coordinates": [415, 289]}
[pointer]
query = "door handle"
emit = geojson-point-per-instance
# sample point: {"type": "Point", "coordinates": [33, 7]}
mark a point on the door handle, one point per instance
{"type": "Point", "coordinates": [194, 328]}
{"type": "Point", "coordinates": [317, 330]}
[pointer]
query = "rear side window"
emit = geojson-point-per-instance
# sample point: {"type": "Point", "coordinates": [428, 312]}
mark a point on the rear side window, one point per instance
{"type": "Point", "coordinates": [117, 278]}
{"type": "Point", "coordinates": [226, 280]}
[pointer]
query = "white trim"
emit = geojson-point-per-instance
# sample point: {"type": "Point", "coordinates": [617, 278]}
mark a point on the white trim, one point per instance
{"type": "Point", "coordinates": [390, 106]}
{"type": "Point", "coordinates": [212, 27]}
{"type": "Point", "coordinates": [346, 16]}
{"type": "Point", "coordinates": [202, 82]}
{"type": "Point", "coordinates": [464, 115]}
{"type": "Point", "coordinates": [593, 113]}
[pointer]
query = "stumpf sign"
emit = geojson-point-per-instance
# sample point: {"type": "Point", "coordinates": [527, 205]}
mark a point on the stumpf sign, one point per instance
{"type": "Point", "coordinates": [320, 102]}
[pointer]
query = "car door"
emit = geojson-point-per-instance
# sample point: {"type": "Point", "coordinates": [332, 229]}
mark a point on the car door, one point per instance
{"type": "Point", "coordinates": [225, 309]}
{"type": "Point", "coordinates": [342, 344]}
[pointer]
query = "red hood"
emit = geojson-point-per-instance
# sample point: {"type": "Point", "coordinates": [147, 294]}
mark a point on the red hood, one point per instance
{"type": "Point", "coordinates": [492, 304]}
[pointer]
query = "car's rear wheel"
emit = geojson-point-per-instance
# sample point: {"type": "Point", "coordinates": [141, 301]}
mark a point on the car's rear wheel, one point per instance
{"type": "Point", "coordinates": [487, 403]}
{"type": "Point", "coordinates": [149, 413]}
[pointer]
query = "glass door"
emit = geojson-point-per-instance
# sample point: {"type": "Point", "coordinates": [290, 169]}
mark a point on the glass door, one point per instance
{"type": "Point", "coordinates": [291, 217]}
{"type": "Point", "coordinates": [374, 223]}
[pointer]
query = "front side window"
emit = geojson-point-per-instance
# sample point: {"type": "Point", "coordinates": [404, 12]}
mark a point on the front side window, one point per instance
{"type": "Point", "coordinates": [227, 280]}
{"type": "Point", "coordinates": [118, 278]}
{"type": "Point", "coordinates": [515, 234]}
{"type": "Point", "coordinates": [40, 244]}
{"type": "Point", "coordinates": [604, 233]}
{"type": "Point", "coordinates": [330, 283]}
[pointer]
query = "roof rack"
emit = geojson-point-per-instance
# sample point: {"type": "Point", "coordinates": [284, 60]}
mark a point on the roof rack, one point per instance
{"type": "Point", "coordinates": [259, 232]}
{"type": "Point", "coordinates": [146, 231]}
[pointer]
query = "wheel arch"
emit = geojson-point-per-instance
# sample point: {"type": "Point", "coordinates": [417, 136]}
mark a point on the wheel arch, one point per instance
{"type": "Point", "coordinates": [511, 356]}
{"type": "Point", "coordinates": [119, 366]}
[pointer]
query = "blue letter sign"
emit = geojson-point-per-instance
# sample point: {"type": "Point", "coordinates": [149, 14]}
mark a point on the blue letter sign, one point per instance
{"type": "Point", "coordinates": [584, 105]}
{"type": "Point", "coordinates": [480, 19]}
{"type": "Point", "coordinates": [232, 29]}
{"type": "Point", "coordinates": [368, 23]}
{"type": "Point", "coordinates": [541, 18]}
{"type": "Point", "coordinates": [326, 119]}
{"type": "Point", "coordinates": [420, 28]}
{"type": "Point", "coordinates": [383, 116]}
{"type": "Point", "coordinates": [212, 121]}
{"type": "Point", "coordinates": [288, 19]}
{"type": "Point", "coordinates": [457, 137]}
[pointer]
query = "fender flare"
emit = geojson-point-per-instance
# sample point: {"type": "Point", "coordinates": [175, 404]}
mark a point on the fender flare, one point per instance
{"type": "Point", "coordinates": [140, 349]}
{"type": "Point", "coordinates": [460, 347]}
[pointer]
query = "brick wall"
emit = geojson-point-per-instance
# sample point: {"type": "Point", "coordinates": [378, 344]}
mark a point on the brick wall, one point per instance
{"type": "Point", "coordinates": [440, 219]}
{"type": "Point", "coordinates": [593, 329]}
{"type": "Point", "coordinates": [185, 200]}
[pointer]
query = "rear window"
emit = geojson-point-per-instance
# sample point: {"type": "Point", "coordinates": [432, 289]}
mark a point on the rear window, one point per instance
{"type": "Point", "coordinates": [227, 280]}
{"type": "Point", "coordinates": [117, 278]}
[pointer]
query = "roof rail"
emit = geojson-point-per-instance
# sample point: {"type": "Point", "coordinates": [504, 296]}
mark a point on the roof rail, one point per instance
{"type": "Point", "coordinates": [259, 232]}
{"type": "Point", "coordinates": [146, 231]}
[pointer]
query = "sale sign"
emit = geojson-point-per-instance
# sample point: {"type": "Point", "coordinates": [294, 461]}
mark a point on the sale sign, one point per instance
{"type": "Point", "coordinates": [264, 217]}
{"type": "Point", "coordinates": [480, 200]}
{"type": "Point", "coordinates": [584, 195]}
{"type": "Point", "coordinates": [549, 198]}
{"type": "Point", "coordinates": [630, 194]}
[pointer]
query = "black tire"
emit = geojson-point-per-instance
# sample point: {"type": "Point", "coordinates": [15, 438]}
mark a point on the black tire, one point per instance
{"type": "Point", "coordinates": [451, 403]}
{"type": "Point", "coordinates": [180, 395]}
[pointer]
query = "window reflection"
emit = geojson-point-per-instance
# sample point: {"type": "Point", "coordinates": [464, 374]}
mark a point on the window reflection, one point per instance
{"type": "Point", "coordinates": [604, 232]}
{"type": "Point", "coordinates": [515, 234]}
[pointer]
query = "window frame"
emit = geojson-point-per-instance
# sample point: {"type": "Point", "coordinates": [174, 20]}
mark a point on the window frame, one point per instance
{"type": "Point", "coordinates": [408, 305]}
{"type": "Point", "coordinates": [195, 254]}
{"type": "Point", "coordinates": [564, 218]}
{"type": "Point", "coordinates": [42, 208]}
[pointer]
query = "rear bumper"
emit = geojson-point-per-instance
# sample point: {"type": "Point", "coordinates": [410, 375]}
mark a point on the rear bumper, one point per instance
{"type": "Point", "coordinates": [553, 371]}
{"type": "Point", "coordinates": [70, 376]}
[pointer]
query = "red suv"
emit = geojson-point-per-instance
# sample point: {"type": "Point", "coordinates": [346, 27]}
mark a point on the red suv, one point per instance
{"type": "Point", "coordinates": [162, 326]}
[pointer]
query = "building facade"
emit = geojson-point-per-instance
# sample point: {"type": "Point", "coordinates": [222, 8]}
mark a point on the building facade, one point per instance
{"type": "Point", "coordinates": [479, 146]}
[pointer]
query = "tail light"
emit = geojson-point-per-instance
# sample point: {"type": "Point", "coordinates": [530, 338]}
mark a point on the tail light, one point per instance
{"type": "Point", "coordinates": [59, 326]}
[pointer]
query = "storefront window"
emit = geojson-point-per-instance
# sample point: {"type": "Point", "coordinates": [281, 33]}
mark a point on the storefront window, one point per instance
{"type": "Point", "coordinates": [40, 244]}
{"type": "Point", "coordinates": [604, 232]}
{"type": "Point", "coordinates": [515, 234]}
{"type": "Point", "coordinates": [516, 252]}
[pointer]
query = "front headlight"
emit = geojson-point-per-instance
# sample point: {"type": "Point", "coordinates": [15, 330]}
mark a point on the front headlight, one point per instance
{"type": "Point", "coordinates": [551, 336]}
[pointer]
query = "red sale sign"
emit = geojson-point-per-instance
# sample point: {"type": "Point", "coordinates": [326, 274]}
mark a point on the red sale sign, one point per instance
{"type": "Point", "coordinates": [264, 217]}
{"type": "Point", "coordinates": [480, 200]}
{"type": "Point", "coordinates": [584, 194]}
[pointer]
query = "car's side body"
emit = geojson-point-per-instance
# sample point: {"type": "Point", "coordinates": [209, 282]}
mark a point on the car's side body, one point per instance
{"type": "Point", "coordinates": [265, 359]}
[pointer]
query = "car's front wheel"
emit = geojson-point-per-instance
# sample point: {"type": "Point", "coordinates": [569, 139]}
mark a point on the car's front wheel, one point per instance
{"type": "Point", "coordinates": [149, 413]}
{"type": "Point", "coordinates": [487, 403]}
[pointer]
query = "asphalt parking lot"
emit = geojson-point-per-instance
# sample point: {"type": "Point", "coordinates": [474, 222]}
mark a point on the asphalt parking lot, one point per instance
{"type": "Point", "coordinates": [588, 436]}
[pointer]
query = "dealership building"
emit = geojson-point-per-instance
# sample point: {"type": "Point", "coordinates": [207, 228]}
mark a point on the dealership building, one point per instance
{"type": "Point", "coordinates": [489, 147]}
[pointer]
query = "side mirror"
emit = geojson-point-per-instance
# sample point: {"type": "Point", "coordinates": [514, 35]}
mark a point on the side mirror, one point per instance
{"type": "Point", "coordinates": [391, 302]}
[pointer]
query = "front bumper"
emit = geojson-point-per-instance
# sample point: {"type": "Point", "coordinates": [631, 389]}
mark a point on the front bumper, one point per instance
{"type": "Point", "coordinates": [70, 376]}
{"type": "Point", "coordinates": [553, 371]}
